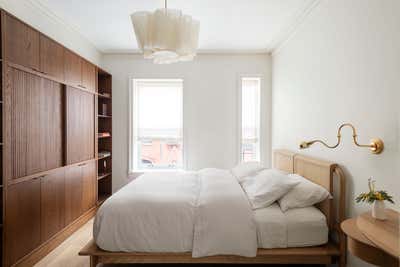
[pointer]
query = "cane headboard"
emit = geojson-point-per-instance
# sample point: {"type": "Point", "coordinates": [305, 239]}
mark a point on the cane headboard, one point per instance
{"type": "Point", "coordinates": [318, 171]}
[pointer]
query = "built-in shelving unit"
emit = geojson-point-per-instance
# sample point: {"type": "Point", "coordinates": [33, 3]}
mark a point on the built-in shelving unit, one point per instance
{"type": "Point", "coordinates": [48, 99]}
{"type": "Point", "coordinates": [104, 134]}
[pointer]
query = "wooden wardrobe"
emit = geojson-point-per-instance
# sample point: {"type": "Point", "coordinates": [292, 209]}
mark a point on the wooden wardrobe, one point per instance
{"type": "Point", "coordinates": [49, 142]}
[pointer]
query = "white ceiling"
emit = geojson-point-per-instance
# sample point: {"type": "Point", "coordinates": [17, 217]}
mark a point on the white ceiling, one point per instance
{"type": "Point", "coordinates": [225, 25]}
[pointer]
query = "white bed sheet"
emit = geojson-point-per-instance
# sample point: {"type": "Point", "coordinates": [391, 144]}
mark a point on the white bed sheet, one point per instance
{"type": "Point", "coordinates": [205, 212]}
{"type": "Point", "coordinates": [301, 227]}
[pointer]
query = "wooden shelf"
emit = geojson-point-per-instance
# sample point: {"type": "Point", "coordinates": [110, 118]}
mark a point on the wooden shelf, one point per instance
{"type": "Point", "coordinates": [103, 175]}
{"type": "Point", "coordinates": [101, 198]}
{"type": "Point", "coordinates": [104, 116]}
{"type": "Point", "coordinates": [104, 126]}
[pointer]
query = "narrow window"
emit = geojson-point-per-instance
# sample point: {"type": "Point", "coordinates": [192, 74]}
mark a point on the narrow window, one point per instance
{"type": "Point", "coordinates": [250, 119]}
{"type": "Point", "coordinates": [156, 119]}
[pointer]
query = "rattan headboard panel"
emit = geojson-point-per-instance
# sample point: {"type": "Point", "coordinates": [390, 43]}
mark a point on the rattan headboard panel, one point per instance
{"type": "Point", "coordinates": [283, 160]}
{"type": "Point", "coordinates": [319, 172]}
{"type": "Point", "coordinates": [316, 170]}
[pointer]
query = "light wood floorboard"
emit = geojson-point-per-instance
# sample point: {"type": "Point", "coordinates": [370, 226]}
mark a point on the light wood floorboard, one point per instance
{"type": "Point", "coordinates": [66, 254]}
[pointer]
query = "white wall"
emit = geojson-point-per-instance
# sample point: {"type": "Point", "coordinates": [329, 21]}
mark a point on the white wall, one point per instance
{"type": "Point", "coordinates": [210, 106]}
{"type": "Point", "coordinates": [43, 20]}
{"type": "Point", "coordinates": [343, 65]}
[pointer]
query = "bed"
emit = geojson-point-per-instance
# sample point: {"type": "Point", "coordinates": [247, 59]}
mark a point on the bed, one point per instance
{"type": "Point", "coordinates": [280, 237]}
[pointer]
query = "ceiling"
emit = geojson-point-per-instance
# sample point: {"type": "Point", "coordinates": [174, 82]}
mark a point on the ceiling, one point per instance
{"type": "Point", "coordinates": [225, 25]}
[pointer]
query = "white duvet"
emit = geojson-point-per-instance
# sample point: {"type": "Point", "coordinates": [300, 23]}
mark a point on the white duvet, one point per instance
{"type": "Point", "coordinates": [205, 212]}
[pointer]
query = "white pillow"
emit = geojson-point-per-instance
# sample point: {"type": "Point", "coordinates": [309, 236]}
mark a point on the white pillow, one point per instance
{"type": "Point", "coordinates": [245, 169]}
{"type": "Point", "coordinates": [267, 186]}
{"type": "Point", "coordinates": [305, 194]}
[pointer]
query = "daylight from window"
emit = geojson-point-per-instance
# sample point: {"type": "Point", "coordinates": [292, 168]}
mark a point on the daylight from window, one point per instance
{"type": "Point", "coordinates": [250, 143]}
{"type": "Point", "coordinates": [157, 124]}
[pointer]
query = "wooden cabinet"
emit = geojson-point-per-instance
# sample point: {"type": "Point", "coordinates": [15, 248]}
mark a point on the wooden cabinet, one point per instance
{"type": "Point", "coordinates": [21, 43]}
{"type": "Point", "coordinates": [34, 124]}
{"type": "Point", "coordinates": [49, 138]}
{"type": "Point", "coordinates": [73, 68]}
{"type": "Point", "coordinates": [73, 193]}
{"type": "Point", "coordinates": [52, 203]}
{"type": "Point", "coordinates": [89, 181]}
{"type": "Point", "coordinates": [80, 190]}
{"type": "Point", "coordinates": [51, 58]}
{"type": "Point", "coordinates": [22, 219]}
{"type": "Point", "coordinates": [79, 72]}
{"type": "Point", "coordinates": [88, 76]}
{"type": "Point", "coordinates": [80, 125]}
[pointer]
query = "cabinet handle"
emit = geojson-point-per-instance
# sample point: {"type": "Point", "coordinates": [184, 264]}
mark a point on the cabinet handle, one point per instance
{"type": "Point", "coordinates": [82, 164]}
{"type": "Point", "coordinates": [81, 86]}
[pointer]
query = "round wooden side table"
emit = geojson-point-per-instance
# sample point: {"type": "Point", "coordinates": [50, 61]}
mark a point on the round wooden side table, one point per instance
{"type": "Point", "coordinates": [362, 247]}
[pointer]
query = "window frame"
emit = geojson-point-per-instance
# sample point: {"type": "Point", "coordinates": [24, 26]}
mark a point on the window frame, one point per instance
{"type": "Point", "coordinates": [131, 165]}
{"type": "Point", "coordinates": [262, 132]}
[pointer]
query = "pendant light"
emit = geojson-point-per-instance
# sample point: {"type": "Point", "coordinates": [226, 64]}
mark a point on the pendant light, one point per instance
{"type": "Point", "coordinates": [166, 35]}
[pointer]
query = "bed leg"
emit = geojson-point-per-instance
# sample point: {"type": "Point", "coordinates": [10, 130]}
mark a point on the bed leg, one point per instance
{"type": "Point", "coordinates": [94, 260]}
{"type": "Point", "coordinates": [343, 250]}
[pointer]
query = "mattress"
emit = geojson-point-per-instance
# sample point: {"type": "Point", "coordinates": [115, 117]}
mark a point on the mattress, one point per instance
{"type": "Point", "coordinates": [301, 227]}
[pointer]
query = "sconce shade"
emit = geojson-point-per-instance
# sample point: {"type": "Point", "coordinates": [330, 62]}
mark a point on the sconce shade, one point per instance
{"type": "Point", "coordinates": [166, 35]}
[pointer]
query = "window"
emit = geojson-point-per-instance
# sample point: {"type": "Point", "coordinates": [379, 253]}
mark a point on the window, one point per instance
{"type": "Point", "coordinates": [156, 125]}
{"type": "Point", "coordinates": [250, 119]}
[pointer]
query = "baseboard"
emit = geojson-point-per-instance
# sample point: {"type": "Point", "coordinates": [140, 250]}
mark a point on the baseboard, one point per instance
{"type": "Point", "coordinates": [44, 249]}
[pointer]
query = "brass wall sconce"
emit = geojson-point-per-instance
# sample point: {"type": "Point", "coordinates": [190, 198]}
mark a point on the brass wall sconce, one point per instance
{"type": "Point", "coordinates": [376, 145]}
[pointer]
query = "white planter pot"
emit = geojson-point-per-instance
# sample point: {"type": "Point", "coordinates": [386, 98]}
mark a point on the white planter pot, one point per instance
{"type": "Point", "coordinates": [378, 210]}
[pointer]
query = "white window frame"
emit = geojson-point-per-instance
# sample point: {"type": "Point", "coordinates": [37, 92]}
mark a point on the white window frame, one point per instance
{"type": "Point", "coordinates": [131, 166]}
{"type": "Point", "coordinates": [262, 132]}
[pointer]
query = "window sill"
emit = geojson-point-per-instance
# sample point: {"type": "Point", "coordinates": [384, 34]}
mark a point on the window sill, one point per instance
{"type": "Point", "coordinates": [135, 173]}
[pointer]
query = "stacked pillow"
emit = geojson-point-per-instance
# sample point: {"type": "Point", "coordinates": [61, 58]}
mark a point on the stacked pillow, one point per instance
{"type": "Point", "coordinates": [305, 194]}
{"type": "Point", "coordinates": [266, 186]}
{"type": "Point", "coordinates": [245, 169]}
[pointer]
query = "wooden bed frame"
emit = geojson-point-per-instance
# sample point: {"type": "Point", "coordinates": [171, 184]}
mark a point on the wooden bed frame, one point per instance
{"type": "Point", "coordinates": [321, 172]}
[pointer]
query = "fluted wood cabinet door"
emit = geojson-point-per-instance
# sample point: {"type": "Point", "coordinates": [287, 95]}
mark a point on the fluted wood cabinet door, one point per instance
{"type": "Point", "coordinates": [21, 43]}
{"type": "Point", "coordinates": [73, 193]}
{"type": "Point", "coordinates": [33, 124]}
{"type": "Point", "coordinates": [22, 219]}
{"type": "Point", "coordinates": [51, 58]}
{"type": "Point", "coordinates": [72, 68]}
{"type": "Point", "coordinates": [89, 182]}
{"type": "Point", "coordinates": [52, 203]}
{"type": "Point", "coordinates": [88, 76]}
{"type": "Point", "coordinates": [80, 125]}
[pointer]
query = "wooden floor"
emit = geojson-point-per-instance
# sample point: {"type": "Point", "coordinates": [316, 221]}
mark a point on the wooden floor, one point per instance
{"type": "Point", "coordinates": [66, 255]}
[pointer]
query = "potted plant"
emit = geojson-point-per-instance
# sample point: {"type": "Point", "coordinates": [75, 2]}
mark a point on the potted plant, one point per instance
{"type": "Point", "coordinates": [377, 198]}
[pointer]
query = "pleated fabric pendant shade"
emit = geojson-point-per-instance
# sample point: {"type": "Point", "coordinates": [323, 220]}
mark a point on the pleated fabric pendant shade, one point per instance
{"type": "Point", "coordinates": [166, 35]}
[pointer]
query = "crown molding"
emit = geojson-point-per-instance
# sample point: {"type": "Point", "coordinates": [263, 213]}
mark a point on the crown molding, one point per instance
{"type": "Point", "coordinates": [43, 9]}
{"type": "Point", "coordinates": [273, 48]}
{"type": "Point", "coordinates": [293, 27]}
